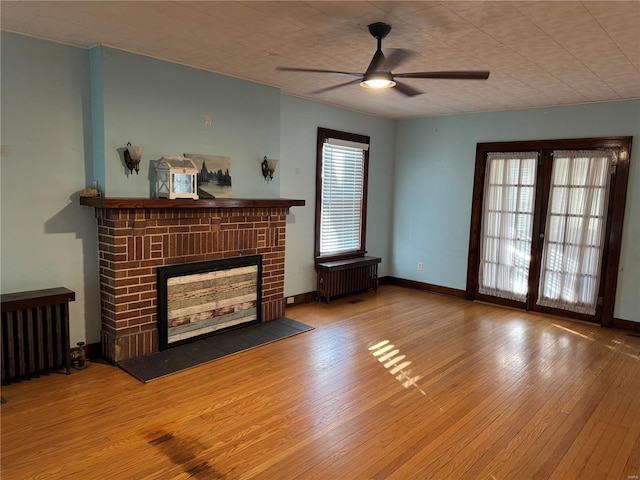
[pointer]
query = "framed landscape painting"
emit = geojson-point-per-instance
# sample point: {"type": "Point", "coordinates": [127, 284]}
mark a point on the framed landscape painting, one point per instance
{"type": "Point", "coordinates": [214, 177]}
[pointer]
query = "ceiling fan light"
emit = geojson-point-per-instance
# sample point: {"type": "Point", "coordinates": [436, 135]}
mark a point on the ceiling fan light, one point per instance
{"type": "Point", "coordinates": [377, 83]}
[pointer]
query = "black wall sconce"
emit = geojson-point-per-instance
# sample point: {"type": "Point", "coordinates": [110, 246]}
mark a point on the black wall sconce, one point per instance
{"type": "Point", "coordinates": [268, 168]}
{"type": "Point", "coordinates": [132, 157]}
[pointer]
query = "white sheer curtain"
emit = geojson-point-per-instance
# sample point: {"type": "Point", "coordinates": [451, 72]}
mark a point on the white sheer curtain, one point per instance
{"type": "Point", "coordinates": [575, 226]}
{"type": "Point", "coordinates": [507, 222]}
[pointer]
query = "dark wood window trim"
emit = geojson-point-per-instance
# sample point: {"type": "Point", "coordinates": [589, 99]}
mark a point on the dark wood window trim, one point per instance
{"type": "Point", "coordinates": [323, 134]}
{"type": "Point", "coordinates": [613, 239]}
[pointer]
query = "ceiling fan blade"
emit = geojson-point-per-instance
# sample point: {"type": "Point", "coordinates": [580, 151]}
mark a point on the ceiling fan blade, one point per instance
{"type": "Point", "coordinates": [396, 57]}
{"type": "Point", "coordinates": [333, 87]}
{"type": "Point", "coordinates": [406, 90]}
{"type": "Point", "coordinates": [318, 70]}
{"type": "Point", "coordinates": [455, 75]}
{"type": "Point", "coordinates": [377, 62]}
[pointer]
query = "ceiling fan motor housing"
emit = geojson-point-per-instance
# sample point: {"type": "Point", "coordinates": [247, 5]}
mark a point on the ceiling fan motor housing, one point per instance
{"type": "Point", "coordinates": [379, 30]}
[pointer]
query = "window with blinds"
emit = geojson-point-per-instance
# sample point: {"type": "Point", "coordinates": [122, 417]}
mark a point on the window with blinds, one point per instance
{"type": "Point", "coordinates": [342, 172]}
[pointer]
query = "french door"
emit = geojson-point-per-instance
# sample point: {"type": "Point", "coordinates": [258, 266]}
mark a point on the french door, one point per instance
{"type": "Point", "coordinates": [546, 225]}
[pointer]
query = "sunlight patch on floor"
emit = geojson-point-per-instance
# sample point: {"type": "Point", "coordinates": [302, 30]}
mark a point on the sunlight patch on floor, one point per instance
{"type": "Point", "coordinates": [385, 351]}
{"type": "Point", "coordinates": [619, 346]}
{"type": "Point", "coordinates": [571, 331]}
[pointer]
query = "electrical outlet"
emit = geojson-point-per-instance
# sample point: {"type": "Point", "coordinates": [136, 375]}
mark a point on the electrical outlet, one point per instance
{"type": "Point", "coordinates": [290, 300]}
{"type": "Point", "coordinates": [420, 266]}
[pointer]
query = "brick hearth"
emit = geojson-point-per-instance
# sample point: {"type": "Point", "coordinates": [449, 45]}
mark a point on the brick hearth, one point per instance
{"type": "Point", "coordinates": [135, 236]}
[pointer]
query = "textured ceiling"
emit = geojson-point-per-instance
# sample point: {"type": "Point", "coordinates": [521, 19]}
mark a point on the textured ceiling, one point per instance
{"type": "Point", "coordinates": [539, 53]}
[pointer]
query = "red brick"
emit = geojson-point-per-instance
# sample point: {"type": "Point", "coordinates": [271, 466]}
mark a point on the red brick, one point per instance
{"type": "Point", "coordinates": [156, 261]}
{"type": "Point", "coordinates": [128, 331]}
{"type": "Point", "coordinates": [147, 326]}
{"type": "Point", "coordinates": [139, 304]}
{"type": "Point", "coordinates": [138, 272]}
{"type": "Point", "coordinates": [128, 315]}
{"type": "Point", "coordinates": [151, 311]}
{"type": "Point", "coordinates": [138, 288]}
{"type": "Point", "coordinates": [138, 321]}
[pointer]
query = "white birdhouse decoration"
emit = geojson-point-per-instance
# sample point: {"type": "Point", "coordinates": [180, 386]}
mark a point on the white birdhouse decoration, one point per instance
{"type": "Point", "coordinates": [177, 178]}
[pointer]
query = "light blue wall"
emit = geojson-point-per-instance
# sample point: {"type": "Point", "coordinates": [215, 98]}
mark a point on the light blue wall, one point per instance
{"type": "Point", "coordinates": [162, 106]}
{"type": "Point", "coordinates": [297, 169]}
{"type": "Point", "coordinates": [48, 239]}
{"type": "Point", "coordinates": [95, 165]}
{"type": "Point", "coordinates": [435, 160]}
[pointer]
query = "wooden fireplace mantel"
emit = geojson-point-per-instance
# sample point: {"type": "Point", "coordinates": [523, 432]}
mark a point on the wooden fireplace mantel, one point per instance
{"type": "Point", "coordinates": [156, 203]}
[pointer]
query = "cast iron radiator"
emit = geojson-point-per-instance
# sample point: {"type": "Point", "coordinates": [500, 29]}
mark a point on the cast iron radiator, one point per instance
{"type": "Point", "coordinates": [344, 277]}
{"type": "Point", "coordinates": [35, 333]}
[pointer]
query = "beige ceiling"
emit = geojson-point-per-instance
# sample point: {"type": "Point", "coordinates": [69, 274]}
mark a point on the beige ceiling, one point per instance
{"type": "Point", "coordinates": [539, 53]}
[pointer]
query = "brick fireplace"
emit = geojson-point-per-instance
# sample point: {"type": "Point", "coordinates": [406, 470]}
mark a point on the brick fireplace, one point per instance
{"type": "Point", "coordinates": [136, 236]}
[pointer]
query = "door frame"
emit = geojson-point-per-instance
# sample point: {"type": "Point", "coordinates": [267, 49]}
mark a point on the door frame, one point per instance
{"type": "Point", "coordinates": [615, 218]}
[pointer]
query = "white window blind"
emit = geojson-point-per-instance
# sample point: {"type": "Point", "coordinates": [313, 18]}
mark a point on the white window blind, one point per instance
{"type": "Point", "coordinates": [507, 222]}
{"type": "Point", "coordinates": [342, 195]}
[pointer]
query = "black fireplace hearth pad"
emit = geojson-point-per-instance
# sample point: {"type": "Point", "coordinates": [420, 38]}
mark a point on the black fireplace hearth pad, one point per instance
{"type": "Point", "coordinates": [175, 359]}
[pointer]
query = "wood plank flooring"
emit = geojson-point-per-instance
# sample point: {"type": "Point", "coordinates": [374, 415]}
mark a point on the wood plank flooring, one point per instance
{"type": "Point", "coordinates": [466, 391]}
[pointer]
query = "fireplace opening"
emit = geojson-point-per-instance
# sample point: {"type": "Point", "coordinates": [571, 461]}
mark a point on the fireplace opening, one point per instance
{"type": "Point", "coordinates": [207, 298]}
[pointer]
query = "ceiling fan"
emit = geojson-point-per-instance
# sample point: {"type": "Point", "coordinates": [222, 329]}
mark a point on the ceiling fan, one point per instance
{"type": "Point", "coordinates": [379, 75]}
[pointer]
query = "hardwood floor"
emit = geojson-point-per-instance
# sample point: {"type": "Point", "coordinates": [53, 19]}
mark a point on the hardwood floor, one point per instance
{"type": "Point", "coordinates": [480, 392]}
